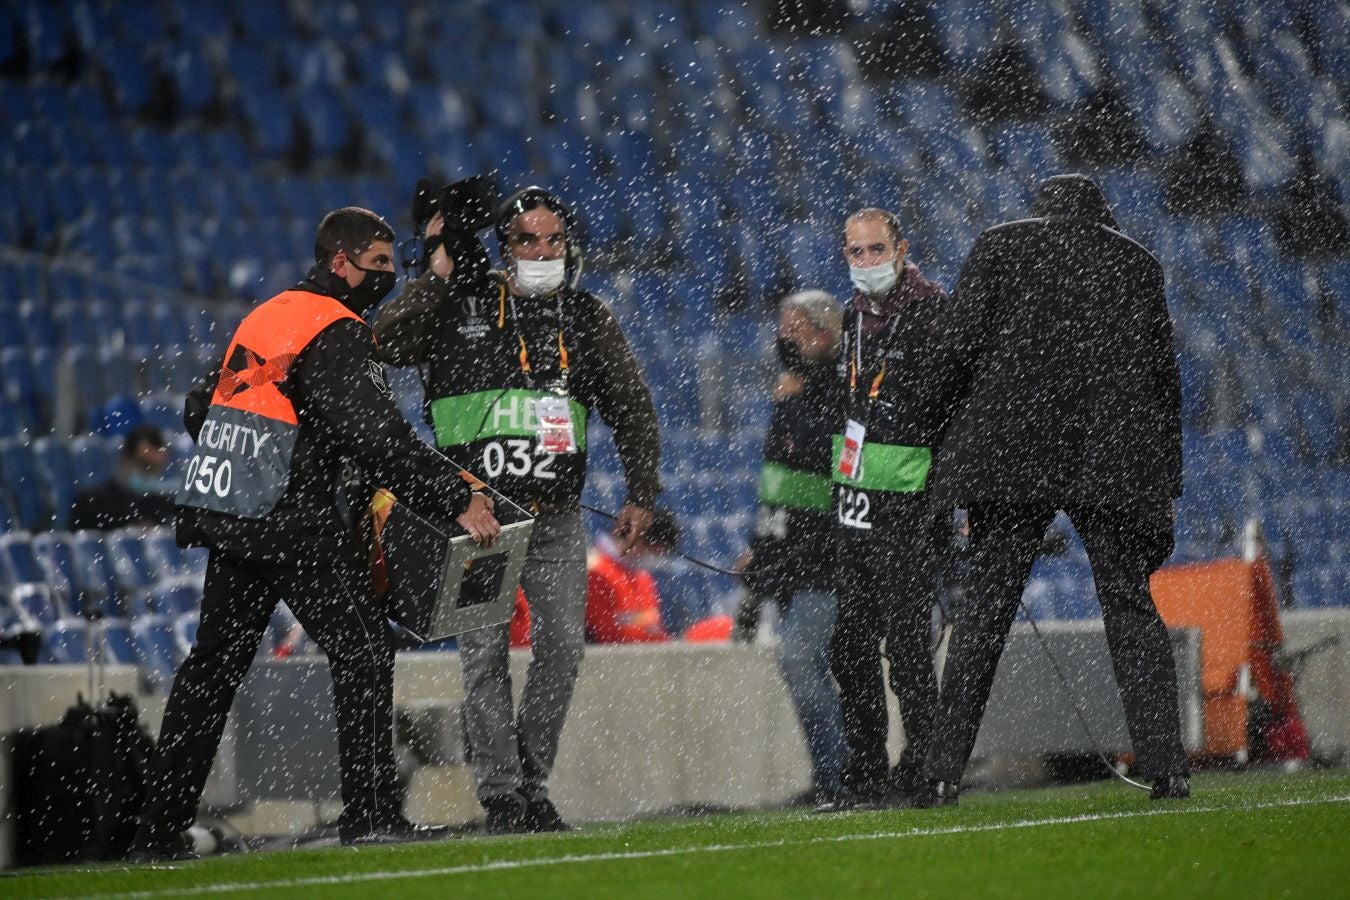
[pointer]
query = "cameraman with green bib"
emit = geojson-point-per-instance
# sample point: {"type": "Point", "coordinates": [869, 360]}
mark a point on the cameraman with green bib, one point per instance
{"type": "Point", "coordinates": [513, 365]}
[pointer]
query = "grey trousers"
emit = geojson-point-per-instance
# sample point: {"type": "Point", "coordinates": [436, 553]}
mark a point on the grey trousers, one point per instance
{"type": "Point", "coordinates": [514, 751]}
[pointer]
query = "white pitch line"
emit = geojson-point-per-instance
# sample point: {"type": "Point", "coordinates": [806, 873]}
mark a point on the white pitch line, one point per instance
{"type": "Point", "coordinates": [505, 865]}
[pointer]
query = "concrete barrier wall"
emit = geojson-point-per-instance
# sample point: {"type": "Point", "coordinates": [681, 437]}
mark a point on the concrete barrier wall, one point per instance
{"type": "Point", "coordinates": [1322, 677]}
{"type": "Point", "coordinates": [651, 727]}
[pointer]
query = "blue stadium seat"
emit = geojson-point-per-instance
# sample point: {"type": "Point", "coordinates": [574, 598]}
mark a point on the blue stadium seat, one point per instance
{"type": "Point", "coordinates": [12, 424]}
{"type": "Point", "coordinates": [95, 575]}
{"type": "Point", "coordinates": [156, 650]}
{"type": "Point", "coordinates": [57, 561]}
{"type": "Point", "coordinates": [269, 120]}
{"type": "Point", "coordinates": [194, 85]}
{"type": "Point", "coordinates": [174, 596]}
{"type": "Point", "coordinates": [325, 119]}
{"type": "Point", "coordinates": [134, 567]}
{"type": "Point", "coordinates": [46, 34]}
{"type": "Point", "coordinates": [119, 646]}
{"type": "Point", "coordinates": [34, 604]}
{"type": "Point", "coordinates": [66, 642]}
{"type": "Point", "coordinates": [128, 74]}
{"type": "Point", "coordinates": [24, 483]}
{"type": "Point", "coordinates": [56, 468]}
{"type": "Point", "coordinates": [23, 399]}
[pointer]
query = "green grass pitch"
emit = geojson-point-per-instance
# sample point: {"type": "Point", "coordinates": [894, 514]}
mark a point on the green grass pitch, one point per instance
{"type": "Point", "coordinates": [1240, 835]}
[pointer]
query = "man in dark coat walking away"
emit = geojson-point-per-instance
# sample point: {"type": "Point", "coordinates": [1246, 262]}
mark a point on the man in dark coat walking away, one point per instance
{"type": "Point", "coordinates": [1057, 356]}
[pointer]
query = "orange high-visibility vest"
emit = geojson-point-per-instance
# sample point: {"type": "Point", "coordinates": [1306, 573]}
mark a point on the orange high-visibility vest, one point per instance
{"type": "Point", "coordinates": [242, 464]}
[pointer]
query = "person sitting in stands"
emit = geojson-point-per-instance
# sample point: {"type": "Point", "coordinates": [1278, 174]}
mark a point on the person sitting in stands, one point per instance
{"type": "Point", "coordinates": [135, 494]}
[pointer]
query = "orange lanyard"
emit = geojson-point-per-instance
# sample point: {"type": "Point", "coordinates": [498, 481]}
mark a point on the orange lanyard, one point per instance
{"type": "Point", "coordinates": [876, 382]}
{"type": "Point", "coordinates": [525, 366]}
{"type": "Point", "coordinates": [856, 362]}
{"type": "Point", "coordinates": [525, 354]}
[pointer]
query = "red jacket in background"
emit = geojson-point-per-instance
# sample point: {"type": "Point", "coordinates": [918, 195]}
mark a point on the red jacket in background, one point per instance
{"type": "Point", "coordinates": [622, 607]}
{"type": "Point", "coordinates": [622, 604]}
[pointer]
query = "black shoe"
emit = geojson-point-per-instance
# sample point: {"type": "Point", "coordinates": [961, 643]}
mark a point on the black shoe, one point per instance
{"type": "Point", "coordinates": [939, 793]}
{"type": "Point", "coordinates": [812, 798]}
{"type": "Point", "coordinates": [398, 831]}
{"type": "Point", "coordinates": [852, 801]}
{"type": "Point", "coordinates": [507, 814]}
{"type": "Point", "coordinates": [906, 788]}
{"type": "Point", "coordinates": [541, 816]}
{"type": "Point", "coordinates": [378, 837]}
{"type": "Point", "coordinates": [175, 849]}
{"type": "Point", "coordinates": [1171, 787]}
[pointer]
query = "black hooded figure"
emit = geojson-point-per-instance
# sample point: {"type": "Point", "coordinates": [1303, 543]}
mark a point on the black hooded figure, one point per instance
{"type": "Point", "coordinates": [1065, 394]}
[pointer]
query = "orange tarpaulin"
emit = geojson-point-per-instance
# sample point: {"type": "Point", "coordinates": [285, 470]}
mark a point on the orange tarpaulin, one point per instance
{"type": "Point", "coordinates": [1233, 604]}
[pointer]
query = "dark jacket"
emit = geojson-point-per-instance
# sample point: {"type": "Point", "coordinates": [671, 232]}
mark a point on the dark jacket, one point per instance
{"type": "Point", "coordinates": [465, 339]}
{"type": "Point", "coordinates": [346, 413]}
{"type": "Point", "coordinates": [793, 544]}
{"type": "Point", "coordinates": [113, 504]}
{"type": "Point", "coordinates": [1058, 362]}
{"type": "Point", "coordinates": [905, 418]}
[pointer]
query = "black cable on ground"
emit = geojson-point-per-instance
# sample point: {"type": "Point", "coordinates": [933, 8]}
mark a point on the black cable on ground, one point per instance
{"type": "Point", "coordinates": [1073, 701]}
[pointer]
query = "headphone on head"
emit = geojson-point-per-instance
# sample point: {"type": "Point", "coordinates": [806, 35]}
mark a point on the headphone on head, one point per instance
{"type": "Point", "coordinates": [533, 197]}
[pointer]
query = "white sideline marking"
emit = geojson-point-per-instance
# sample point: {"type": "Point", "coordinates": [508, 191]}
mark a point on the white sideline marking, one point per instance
{"type": "Point", "coordinates": [502, 865]}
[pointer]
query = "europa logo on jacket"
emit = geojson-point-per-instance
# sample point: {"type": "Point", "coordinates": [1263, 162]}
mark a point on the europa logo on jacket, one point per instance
{"type": "Point", "coordinates": [243, 460]}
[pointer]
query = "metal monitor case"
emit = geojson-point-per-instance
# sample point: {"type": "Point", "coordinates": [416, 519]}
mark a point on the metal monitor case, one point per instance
{"type": "Point", "coordinates": [441, 583]}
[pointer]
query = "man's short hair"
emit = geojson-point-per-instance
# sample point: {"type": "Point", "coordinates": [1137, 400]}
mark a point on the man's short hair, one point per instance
{"type": "Point", "coordinates": [141, 436]}
{"type": "Point", "coordinates": [349, 230]}
{"type": "Point", "coordinates": [820, 308]}
{"type": "Point", "coordinates": [877, 214]}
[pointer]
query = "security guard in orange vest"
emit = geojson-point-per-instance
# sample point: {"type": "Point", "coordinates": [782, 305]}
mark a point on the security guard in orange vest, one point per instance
{"type": "Point", "coordinates": [297, 397]}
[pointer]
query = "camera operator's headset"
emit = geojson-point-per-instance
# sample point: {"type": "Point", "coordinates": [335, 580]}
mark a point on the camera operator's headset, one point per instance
{"type": "Point", "coordinates": [533, 197]}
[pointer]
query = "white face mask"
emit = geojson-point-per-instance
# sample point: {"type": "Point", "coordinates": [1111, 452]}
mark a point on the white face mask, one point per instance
{"type": "Point", "coordinates": [537, 277]}
{"type": "Point", "coordinates": [876, 279]}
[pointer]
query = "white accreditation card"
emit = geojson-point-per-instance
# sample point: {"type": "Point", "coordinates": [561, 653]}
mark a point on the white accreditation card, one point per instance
{"type": "Point", "coordinates": [553, 423]}
{"type": "Point", "coordinates": [851, 458]}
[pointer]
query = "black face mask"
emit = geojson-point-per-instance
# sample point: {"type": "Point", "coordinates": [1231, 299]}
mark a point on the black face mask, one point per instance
{"type": "Point", "coordinates": [373, 288]}
{"type": "Point", "coordinates": [790, 355]}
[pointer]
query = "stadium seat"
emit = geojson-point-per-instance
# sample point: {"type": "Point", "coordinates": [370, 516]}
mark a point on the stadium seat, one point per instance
{"type": "Point", "coordinates": [66, 642]}
{"type": "Point", "coordinates": [25, 484]}
{"type": "Point", "coordinates": [119, 646]}
{"type": "Point", "coordinates": [134, 568]}
{"type": "Point", "coordinates": [57, 561]}
{"type": "Point", "coordinates": [174, 596]}
{"type": "Point", "coordinates": [156, 651]}
{"type": "Point", "coordinates": [129, 75]}
{"type": "Point", "coordinates": [34, 603]}
{"type": "Point", "coordinates": [95, 575]}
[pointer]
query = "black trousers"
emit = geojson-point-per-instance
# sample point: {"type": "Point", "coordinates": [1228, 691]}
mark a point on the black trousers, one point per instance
{"type": "Point", "coordinates": [332, 597]}
{"type": "Point", "coordinates": [886, 589]}
{"type": "Point", "coordinates": [1124, 548]}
